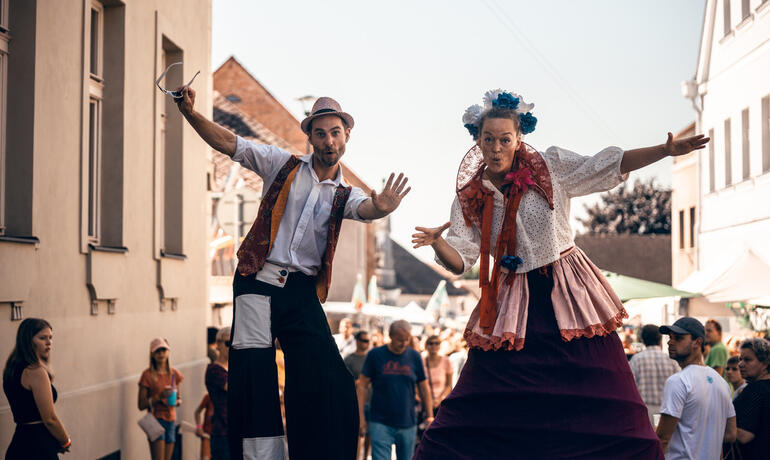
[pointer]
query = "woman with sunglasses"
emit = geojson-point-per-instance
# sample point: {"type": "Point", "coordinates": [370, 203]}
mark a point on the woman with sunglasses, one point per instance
{"type": "Point", "coordinates": [439, 371]}
{"type": "Point", "coordinates": [216, 384]}
{"type": "Point", "coordinates": [27, 384]}
{"type": "Point", "coordinates": [159, 394]}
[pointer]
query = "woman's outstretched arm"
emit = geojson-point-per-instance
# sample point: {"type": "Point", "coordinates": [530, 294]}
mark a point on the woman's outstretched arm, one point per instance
{"type": "Point", "coordinates": [639, 158]}
{"type": "Point", "coordinates": [432, 237]}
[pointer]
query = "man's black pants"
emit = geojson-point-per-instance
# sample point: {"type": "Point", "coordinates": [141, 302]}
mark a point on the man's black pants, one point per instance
{"type": "Point", "coordinates": [319, 394]}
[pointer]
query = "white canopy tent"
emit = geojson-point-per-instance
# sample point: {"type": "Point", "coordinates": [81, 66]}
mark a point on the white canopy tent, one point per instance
{"type": "Point", "coordinates": [747, 279]}
{"type": "Point", "coordinates": [411, 312]}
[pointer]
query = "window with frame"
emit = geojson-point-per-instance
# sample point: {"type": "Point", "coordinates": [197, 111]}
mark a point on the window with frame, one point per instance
{"type": "Point", "coordinates": [171, 130]}
{"type": "Point", "coordinates": [692, 226]}
{"type": "Point", "coordinates": [712, 155]}
{"type": "Point", "coordinates": [728, 154]}
{"type": "Point", "coordinates": [95, 98]}
{"type": "Point", "coordinates": [745, 9]}
{"type": "Point", "coordinates": [726, 15]}
{"type": "Point", "coordinates": [745, 150]}
{"type": "Point", "coordinates": [681, 229]}
{"type": "Point", "coordinates": [103, 115]}
{"type": "Point", "coordinates": [19, 24]}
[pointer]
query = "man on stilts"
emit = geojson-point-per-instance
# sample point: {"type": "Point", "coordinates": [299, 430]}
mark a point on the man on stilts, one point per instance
{"type": "Point", "coordinates": [283, 275]}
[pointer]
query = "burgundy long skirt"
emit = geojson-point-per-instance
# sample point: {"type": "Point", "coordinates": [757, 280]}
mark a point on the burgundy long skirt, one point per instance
{"type": "Point", "coordinates": [550, 400]}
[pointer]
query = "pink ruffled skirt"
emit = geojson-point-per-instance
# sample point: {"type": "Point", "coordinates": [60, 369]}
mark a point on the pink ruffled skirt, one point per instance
{"type": "Point", "coordinates": [560, 397]}
{"type": "Point", "coordinates": [583, 302]}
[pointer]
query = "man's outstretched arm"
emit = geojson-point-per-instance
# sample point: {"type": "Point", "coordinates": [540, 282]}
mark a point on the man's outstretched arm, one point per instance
{"type": "Point", "coordinates": [219, 138]}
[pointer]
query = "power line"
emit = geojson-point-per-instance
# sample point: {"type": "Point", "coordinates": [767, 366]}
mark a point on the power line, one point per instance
{"type": "Point", "coordinates": [499, 13]}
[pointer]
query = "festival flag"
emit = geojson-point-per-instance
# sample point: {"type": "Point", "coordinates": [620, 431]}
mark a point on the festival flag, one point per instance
{"type": "Point", "coordinates": [439, 301]}
{"type": "Point", "coordinates": [374, 293]}
{"type": "Point", "coordinates": [359, 294]}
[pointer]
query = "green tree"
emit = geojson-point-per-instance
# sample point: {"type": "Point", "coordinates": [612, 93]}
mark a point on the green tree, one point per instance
{"type": "Point", "coordinates": [641, 209]}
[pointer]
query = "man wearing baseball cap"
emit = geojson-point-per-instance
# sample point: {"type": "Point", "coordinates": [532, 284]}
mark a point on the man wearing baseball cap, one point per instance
{"type": "Point", "coordinates": [696, 415]}
{"type": "Point", "coordinates": [283, 276]}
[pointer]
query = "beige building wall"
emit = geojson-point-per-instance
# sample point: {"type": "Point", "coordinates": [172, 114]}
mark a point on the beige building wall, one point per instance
{"type": "Point", "coordinates": [48, 268]}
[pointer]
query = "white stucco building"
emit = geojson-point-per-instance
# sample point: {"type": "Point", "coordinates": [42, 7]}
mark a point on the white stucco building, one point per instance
{"type": "Point", "coordinates": [731, 95]}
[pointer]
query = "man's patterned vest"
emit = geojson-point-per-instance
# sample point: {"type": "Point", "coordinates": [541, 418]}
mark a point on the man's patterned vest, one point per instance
{"type": "Point", "coordinates": [256, 246]}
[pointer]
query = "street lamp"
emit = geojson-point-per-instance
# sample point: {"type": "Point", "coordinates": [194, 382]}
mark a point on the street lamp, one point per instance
{"type": "Point", "coordinates": [307, 102]}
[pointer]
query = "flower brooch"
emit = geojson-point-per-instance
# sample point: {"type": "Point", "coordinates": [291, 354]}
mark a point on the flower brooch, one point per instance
{"type": "Point", "coordinates": [511, 262]}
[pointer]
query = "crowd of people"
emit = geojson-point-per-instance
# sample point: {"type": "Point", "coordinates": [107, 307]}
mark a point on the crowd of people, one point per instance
{"type": "Point", "coordinates": [705, 404]}
{"type": "Point", "coordinates": [401, 381]}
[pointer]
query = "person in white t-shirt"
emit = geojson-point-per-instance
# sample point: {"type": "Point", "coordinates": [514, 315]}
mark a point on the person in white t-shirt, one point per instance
{"type": "Point", "coordinates": [697, 415]}
{"type": "Point", "coordinates": [346, 342]}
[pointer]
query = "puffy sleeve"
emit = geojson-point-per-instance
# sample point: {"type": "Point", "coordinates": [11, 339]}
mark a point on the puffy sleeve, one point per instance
{"type": "Point", "coordinates": [466, 240]}
{"type": "Point", "coordinates": [582, 175]}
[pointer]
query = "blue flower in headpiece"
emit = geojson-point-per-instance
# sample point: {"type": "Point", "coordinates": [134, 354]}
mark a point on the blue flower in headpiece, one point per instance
{"type": "Point", "coordinates": [506, 101]}
{"type": "Point", "coordinates": [511, 262]}
{"type": "Point", "coordinates": [528, 122]}
{"type": "Point", "coordinates": [473, 129]}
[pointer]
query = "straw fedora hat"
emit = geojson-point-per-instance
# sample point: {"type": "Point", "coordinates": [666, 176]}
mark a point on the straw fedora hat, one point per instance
{"type": "Point", "coordinates": [325, 106]}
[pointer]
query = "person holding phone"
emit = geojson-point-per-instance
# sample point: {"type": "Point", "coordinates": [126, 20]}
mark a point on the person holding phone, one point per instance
{"type": "Point", "coordinates": [159, 393]}
{"type": "Point", "coordinates": [27, 383]}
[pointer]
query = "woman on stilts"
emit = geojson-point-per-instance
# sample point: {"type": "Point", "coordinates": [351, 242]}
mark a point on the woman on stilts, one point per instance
{"type": "Point", "coordinates": [546, 376]}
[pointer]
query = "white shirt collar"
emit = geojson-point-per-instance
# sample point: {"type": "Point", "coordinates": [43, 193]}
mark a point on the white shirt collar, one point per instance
{"type": "Point", "coordinates": [337, 181]}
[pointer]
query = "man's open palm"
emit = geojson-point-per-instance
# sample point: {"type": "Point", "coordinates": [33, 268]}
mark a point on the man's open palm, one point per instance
{"type": "Point", "coordinates": [390, 197]}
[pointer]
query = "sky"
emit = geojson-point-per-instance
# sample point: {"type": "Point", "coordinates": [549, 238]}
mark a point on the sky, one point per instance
{"type": "Point", "coordinates": [600, 73]}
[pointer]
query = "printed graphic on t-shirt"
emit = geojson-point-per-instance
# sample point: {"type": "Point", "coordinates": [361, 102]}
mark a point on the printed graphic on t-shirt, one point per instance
{"type": "Point", "coordinates": [395, 368]}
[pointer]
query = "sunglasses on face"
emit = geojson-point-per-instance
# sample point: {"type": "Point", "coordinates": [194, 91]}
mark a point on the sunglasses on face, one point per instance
{"type": "Point", "coordinates": [434, 343]}
{"type": "Point", "coordinates": [174, 94]}
{"type": "Point", "coordinates": [363, 340]}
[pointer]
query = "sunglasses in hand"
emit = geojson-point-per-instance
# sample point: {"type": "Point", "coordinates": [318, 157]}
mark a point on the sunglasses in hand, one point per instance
{"type": "Point", "coordinates": [174, 94]}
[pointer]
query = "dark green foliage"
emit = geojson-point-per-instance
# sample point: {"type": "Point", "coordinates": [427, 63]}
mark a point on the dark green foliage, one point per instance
{"type": "Point", "coordinates": [642, 209]}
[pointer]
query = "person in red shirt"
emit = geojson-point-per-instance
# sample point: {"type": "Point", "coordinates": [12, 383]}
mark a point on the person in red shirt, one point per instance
{"type": "Point", "coordinates": [203, 430]}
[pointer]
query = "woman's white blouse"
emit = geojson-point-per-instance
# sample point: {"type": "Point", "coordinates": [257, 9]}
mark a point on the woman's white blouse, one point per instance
{"type": "Point", "coordinates": [542, 234]}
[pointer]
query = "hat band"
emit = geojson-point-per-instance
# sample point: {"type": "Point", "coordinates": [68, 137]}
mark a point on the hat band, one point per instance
{"type": "Point", "coordinates": [324, 111]}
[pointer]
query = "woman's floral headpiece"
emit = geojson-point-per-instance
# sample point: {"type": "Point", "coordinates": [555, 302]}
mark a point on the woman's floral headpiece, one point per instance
{"type": "Point", "coordinates": [498, 98]}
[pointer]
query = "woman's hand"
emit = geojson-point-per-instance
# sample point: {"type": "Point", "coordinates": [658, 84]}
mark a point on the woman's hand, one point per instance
{"type": "Point", "coordinates": [684, 146]}
{"type": "Point", "coordinates": [428, 236]}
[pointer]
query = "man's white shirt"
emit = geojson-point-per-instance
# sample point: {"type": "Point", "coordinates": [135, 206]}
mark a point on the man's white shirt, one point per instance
{"type": "Point", "coordinates": [301, 239]}
{"type": "Point", "coordinates": [700, 399]}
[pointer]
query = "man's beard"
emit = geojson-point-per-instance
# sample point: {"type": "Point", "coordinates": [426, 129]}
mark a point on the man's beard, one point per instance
{"type": "Point", "coordinates": [680, 357]}
{"type": "Point", "coordinates": [328, 163]}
